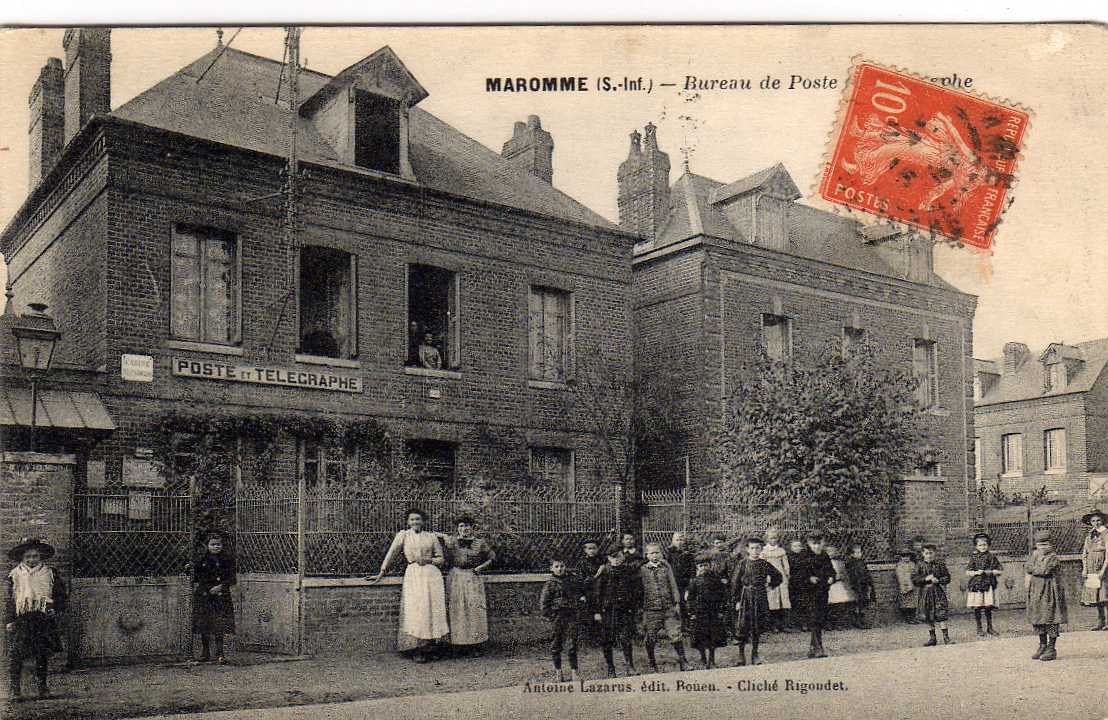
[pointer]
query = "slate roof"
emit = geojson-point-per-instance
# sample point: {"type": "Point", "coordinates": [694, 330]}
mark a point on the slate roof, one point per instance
{"type": "Point", "coordinates": [234, 105]}
{"type": "Point", "coordinates": [1027, 382]}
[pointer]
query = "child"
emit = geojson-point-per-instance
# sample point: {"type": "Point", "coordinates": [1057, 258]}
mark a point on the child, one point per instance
{"type": "Point", "coordinates": [591, 561]}
{"type": "Point", "coordinates": [779, 604]}
{"type": "Point", "coordinates": [840, 596]}
{"type": "Point", "coordinates": [213, 614]}
{"type": "Point", "coordinates": [982, 570]}
{"type": "Point", "coordinates": [35, 597]}
{"type": "Point", "coordinates": [906, 599]}
{"type": "Point", "coordinates": [1094, 566]}
{"type": "Point", "coordinates": [932, 606]}
{"type": "Point", "coordinates": [562, 597]}
{"type": "Point", "coordinates": [616, 599]}
{"type": "Point", "coordinates": [752, 578]}
{"type": "Point", "coordinates": [812, 577]}
{"type": "Point", "coordinates": [796, 547]}
{"type": "Point", "coordinates": [862, 582]}
{"type": "Point", "coordinates": [630, 550]}
{"type": "Point", "coordinates": [661, 606]}
{"type": "Point", "coordinates": [1046, 600]}
{"type": "Point", "coordinates": [705, 601]}
{"type": "Point", "coordinates": [681, 561]}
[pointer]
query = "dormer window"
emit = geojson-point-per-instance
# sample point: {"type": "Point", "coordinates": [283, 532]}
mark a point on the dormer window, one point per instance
{"type": "Point", "coordinates": [376, 132]}
{"type": "Point", "coordinates": [1057, 377]}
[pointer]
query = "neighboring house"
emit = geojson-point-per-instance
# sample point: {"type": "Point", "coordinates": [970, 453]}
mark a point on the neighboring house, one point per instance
{"type": "Point", "coordinates": [722, 268]}
{"type": "Point", "coordinates": [1043, 420]}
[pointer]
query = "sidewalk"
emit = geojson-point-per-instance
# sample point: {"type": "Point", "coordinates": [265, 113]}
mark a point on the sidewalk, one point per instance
{"type": "Point", "coordinates": [255, 681]}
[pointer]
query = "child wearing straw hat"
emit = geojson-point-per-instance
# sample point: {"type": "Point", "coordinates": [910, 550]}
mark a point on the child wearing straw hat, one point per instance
{"type": "Point", "coordinates": [35, 596]}
{"type": "Point", "coordinates": [1094, 566]}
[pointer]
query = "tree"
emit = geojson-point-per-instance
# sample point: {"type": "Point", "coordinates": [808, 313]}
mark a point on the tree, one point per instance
{"type": "Point", "coordinates": [835, 435]}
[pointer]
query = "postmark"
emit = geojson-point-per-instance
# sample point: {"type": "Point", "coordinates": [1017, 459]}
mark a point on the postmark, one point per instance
{"type": "Point", "coordinates": [932, 157]}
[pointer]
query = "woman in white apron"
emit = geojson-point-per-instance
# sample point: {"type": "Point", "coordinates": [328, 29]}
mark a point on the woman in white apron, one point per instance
{"type": "Point", "coordinates": [422, 597]}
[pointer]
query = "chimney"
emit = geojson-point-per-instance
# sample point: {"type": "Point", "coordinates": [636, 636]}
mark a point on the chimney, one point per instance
{"type": "Point", "coordinates": [531, 149]}
{"type": "Point", "coordinates": [643, 181]}
{"type": "Point", "coordinates": [1015, 355]}
{"type": "Point", "coordinates": [47, 129]}
{"type": "Point", "coordinates": [88, 76]}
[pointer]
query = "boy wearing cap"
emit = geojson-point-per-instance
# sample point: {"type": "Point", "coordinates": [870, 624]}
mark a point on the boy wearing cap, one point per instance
{"type": "Point", "coordinates": [616, 600]}
{"type": "Point", "coordinates": [812, 577]}
{"type": "Point", "coordinates": [562, 597]}
{"type": "Point", "coordinates": [1046, 600]}
{"type": "Point", "coordinates": [35, 596]}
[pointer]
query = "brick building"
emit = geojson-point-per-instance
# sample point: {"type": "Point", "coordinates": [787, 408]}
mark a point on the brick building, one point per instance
{"type": "Point", "coordinates": [1043, 421]}
{"type": "Point", "coordinates": [721, 267]}
{"type": "Point", "coordinates": [436, 287]}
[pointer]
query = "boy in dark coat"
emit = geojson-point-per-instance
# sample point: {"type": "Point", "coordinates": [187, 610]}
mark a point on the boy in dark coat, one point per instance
{"type": "Point", "coordinates": [1046, 599]}
{"type": "Point", "coordinates": [661, 606]}
{"type": "Point", "coordinates": [705, 603]}
{"type": "Point", "coordinates": [796, 620]}
{"type": "Point", "coordinates": [933, 608]}
{"type": "Point", "coordinates": [862, 582]}
{"type": "Point", "coordinates": [35, 597]}
{"type": "Point", "coordinates": [213, 613]}
{"type": "Point", "coordinates": [812, 579]}
{"type": "Point", "coordinates": [587, 566]}
{"type": "Point", "coordinates": [616, 599]}
{"type": "Point", "coordinates": [630, 548]}
{"type": "Point", "coordinates": [681, 560]}
{"type": "Point", "coordinates": [749, 581]}
{"type": "Point", "coordinates": [562, 598]}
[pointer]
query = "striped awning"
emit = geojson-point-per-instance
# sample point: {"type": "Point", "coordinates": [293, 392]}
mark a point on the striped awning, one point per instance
{"type": "Point", "coordinates": [65, 409]}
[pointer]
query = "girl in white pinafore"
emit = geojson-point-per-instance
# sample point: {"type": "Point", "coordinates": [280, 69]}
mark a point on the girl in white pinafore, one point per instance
{"type": "Point", "coordinates": [423, 596]}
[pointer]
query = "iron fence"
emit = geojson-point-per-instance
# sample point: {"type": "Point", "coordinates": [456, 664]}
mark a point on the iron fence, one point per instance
{"type": "Point", "coordinates": [133, 534]}
{"type": "Point", "coordinates": [704, 512]}
{"type": "Point", "coordinates": [1014, 538]}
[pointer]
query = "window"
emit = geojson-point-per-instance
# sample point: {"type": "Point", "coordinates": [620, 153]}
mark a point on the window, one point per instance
{"type": "Point", "coordinates": [1054, 449]}
{"type": "Point", "coordinates": [1011, 454]}
{"type": "Point", "coordinates": [1057, 377]}
{"type": "Point", "coordinates": [376, 132]}
{"type": "Point", "coordinates": [977, 460]}
{"type": "Point", "coordinates": [328, 302]}
{"type": "Point", "coordinates": [324, 467]}
{"type": "Point", "coordinates": [204, 286]}
{"type": "Point", "coordinates": [777, 335]}
{"type": "Point", "coordinates": [433, 462]}
{"type": "Point", "coordinates": [433, 322]}
{"type": "Point", "coordinates": [925, 366]}
{"type": "Point", "coordinates": [550, 334]}
{"type": "Point", "coordinates": [929, 469]}
{"type": "Point", "coordinates": [553, 467]}
{"type": "Point", "coordinates": [977, 387]}
{"type": "Point", "coordinates": [852, 338]}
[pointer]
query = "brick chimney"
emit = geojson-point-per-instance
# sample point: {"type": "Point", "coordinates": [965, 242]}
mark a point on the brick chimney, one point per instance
{"type": "Point", "coordinates": [531, 149]}
{"type": "Point", "coordinates": [643, 181]}
{"type": "Point", "coordinates": [88, 76]}
{"type": "Point", "coordinates": [47, 129]}
{"type": "Point", "coordinates": [1015, 355]}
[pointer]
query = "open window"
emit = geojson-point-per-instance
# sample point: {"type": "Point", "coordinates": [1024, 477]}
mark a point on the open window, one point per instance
{"type": "Point", "coordinates": [328, 305]}
{"type": "Point", "coordinates": [376, 132]}
{"type": "Point", "coordinates": [434, 327]}
{"type": "Point", "coordinates": [204, 286]}
{"type": "Point", "coordinates": [433, 462]}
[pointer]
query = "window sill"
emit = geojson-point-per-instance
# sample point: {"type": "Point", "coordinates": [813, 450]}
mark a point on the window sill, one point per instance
{"type": "Point", "coordinates": [322, 360]}
{"type": "Point", "coordinates": [430, 372]}
{"type": "Point", "coordinates": [547, 385]}
{"type": "Point", "coordinates": [1055, 471]}
{"type": "Point", "coordinates": [213, 348]}
{"type": "Point", "coordinates": [1011, 476]}
{"type": "Point", "coordinates": [937, 411]}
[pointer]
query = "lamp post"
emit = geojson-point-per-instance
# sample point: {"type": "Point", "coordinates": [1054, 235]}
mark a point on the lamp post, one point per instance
{"type": "Point", "coordinates": [36, 336]}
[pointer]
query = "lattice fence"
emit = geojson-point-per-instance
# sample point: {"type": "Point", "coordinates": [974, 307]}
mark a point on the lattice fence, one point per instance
{"type": "Point", "coordinates": [132, 534]}
{"type": "Point", "coordinates": [708, 511]}
{"type": "Point", "coordinates": [1013, 538]}
{"type": "Point", "coordinates": [349, 534]}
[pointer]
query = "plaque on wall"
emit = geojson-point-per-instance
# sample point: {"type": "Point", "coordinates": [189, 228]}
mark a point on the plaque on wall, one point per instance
{"type": "Point", "coordinates": [96, 475]}
{"type": "Point", "coordinates": [141, 473]}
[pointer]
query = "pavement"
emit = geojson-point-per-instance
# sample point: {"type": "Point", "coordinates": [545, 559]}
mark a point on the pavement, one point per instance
{"type": "Point", "coordinates": [991, 680]}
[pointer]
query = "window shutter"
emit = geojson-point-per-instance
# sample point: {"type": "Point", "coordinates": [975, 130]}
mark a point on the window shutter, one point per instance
{"type": "Point", "coordinates": [571, 336]}
{"type": "Point", "coordinates": [571, 475]}
{"type": "Point", "coordinates": [353, 333]}
{"type": "Point", "coordinates": [534, 334]}
{"type": "Point", "coordinates": [934, 348]}
{"type": "Point", "coordinates": [236, 293]}
{"type": "Point", "coordinates": [454, 304]}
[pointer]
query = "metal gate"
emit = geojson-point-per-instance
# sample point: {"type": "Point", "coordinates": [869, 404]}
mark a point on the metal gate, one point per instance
{"type": "Point", "coordinates": [131, 596]}
{"type": "Point", "coordinates": [270, 562]}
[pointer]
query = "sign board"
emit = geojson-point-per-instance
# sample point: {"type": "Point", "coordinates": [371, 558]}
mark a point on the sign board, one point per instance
{"type": "Point", "coordinates": [137, 368]}
{"type": "Point", "coordinates": [309, 379]}
{"type": "Point", "coordinates": [96, 475]}
{"type": "Point", "coordinates": [141, 473]}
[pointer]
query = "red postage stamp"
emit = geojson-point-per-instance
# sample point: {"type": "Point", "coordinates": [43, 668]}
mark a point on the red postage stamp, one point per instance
{"type": "Point", "coordinates": [926, 155]}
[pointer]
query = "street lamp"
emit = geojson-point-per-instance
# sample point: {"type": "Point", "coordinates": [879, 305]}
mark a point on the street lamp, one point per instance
{"type": "Point", "coordinates": [36, 336]}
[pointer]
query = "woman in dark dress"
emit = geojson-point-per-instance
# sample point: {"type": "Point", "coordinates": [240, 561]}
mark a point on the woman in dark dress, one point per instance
{"type": "Point", "coordinates": [213, 613]}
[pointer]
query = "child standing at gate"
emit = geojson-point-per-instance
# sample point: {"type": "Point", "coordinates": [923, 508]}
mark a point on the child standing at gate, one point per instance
{"type": "Point", "coordinates": [906, 590]}
{"type": "Point", "coordinates": [616, 601]}
{"type": "Point", "coordinates": [750, 583]}
{"type": "Point", "coordinates": [661, 606]}
{"type": "Point", "coordinates": [982, 570]}
{"type": "Point", "coordinates": [213, 614]}
{"type": "Point", "coordinates": [560, 603]}
{"type": "Point", "coordinates": [706, 602]}
{"type": "Point", "coordinates": [35, 596]}
{"type": "Point", "coordinates": [933, 608]}
{"type": "Point", "coordinates": [1046, 599]}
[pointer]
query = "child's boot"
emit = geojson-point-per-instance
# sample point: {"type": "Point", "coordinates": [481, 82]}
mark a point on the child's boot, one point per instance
{"type": "Point", "coordinates": [946, 637]}
{"type": "Point", "coordinates": [682, 662]}
{"type": "Point", "coordinates": [742, 654]}
{"type": "Point", "coordinates": [820, 652]}
{"type": "Point", "coordinates": [15, 681]}
{"type": "Point", "coordinates": [650, 660]}
{"type": "Point", "coordinates": [931, 641]}
{"type": "Point", "coordinates": [989, 624]}
{"type": "Point", "coordinates": [977, 617]}
{"type": "Point", "coordinates": [754, 659]}
{"type": "Point", "coordinates": [1042, 647]}
{"type": "Point", "coordinates": [1051, 653]}
{"type": "Point", "coordinates": [44, 692]}
{"type": "Point", "coordinates": [629, 668]}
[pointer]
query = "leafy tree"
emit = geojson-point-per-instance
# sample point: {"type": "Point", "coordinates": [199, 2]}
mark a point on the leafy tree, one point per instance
{"type": "Point", "coordinates": [834, 435]}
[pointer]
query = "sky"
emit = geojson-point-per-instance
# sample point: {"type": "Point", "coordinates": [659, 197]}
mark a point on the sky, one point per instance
{"type": "Point", "coordinates": [1043, 282]}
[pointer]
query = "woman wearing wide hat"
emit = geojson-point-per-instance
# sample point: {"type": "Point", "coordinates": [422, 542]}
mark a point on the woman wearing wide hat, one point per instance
{"type": "Point", "coordinates": [35, 595]}
{"type": "Point", "coordinates": [1094, 566]}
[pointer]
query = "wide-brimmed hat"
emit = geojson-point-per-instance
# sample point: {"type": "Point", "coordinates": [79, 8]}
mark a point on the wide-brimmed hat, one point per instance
{"type": "Point", "coordinates": [45, 549]}
{"type": "Point", "coordinates": [1087, 517]}
{"type": "Point", "coordinates": [1042, 536]}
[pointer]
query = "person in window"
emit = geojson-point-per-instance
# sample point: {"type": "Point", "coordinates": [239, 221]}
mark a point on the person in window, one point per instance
{"type": "Point", "coordinates": [319, 341]}
{"type": "Point", "coordinates": [468, 557]}
{"type": "Point", "coordinates": [429, 355]}
{"type": "Point", "coordinates": [413, 343]}
{"type": "Point", "coordinates": [423, 620]}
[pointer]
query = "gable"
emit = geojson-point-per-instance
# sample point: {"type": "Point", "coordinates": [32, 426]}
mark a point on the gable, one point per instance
{"type": "Point", "coordinates": [381, 73]}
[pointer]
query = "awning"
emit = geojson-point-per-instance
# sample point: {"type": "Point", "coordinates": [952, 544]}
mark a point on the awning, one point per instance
{"type": "Point", "coordinates": [65, 409]}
